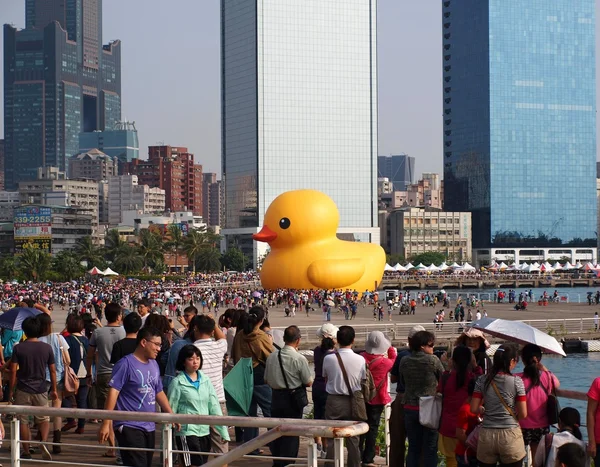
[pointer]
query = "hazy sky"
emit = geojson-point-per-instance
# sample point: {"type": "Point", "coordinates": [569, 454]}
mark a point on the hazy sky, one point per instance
{"type": "Point", "coordinates": [170, 81]}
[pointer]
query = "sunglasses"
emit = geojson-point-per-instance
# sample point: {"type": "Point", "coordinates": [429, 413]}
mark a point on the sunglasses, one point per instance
{"type": "Point", "coordinates": [429, 345]}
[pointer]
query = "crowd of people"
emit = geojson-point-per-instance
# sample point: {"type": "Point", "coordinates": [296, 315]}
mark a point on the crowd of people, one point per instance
{"type": "Point", "coordinates": [129, 354]}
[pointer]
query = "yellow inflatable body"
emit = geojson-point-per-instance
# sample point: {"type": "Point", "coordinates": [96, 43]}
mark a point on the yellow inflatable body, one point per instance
{"type": "Point", "coordinates": [300, 228]}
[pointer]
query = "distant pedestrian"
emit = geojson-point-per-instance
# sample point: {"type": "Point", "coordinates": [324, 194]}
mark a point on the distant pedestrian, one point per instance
{"type": "Point", "coordinates": [596, 321]}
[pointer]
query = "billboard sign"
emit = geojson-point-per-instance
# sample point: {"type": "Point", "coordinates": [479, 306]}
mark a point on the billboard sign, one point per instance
{"type": "Point", "coordinates": [33, 229]}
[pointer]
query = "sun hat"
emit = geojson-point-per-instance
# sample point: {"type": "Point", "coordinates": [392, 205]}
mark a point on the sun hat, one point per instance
{"type": "Point", "coordinates": [327, 330]}
{"type": "Point", "coordinates": [472, 332]}
{"type": "Point", "coordinates": [415, 329]}
{"type": "Point", "coordinates": [377, 343]}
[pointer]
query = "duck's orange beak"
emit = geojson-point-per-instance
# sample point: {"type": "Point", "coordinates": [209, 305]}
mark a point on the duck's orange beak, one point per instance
{"type": "Point", "coordinates": [265, 235]}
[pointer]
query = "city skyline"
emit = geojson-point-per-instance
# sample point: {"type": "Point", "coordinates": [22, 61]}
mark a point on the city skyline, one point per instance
{"type": "Point", "coordinates": [193, 106]}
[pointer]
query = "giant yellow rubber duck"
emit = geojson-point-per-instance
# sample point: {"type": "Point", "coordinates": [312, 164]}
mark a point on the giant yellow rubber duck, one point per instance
{"type": "Point", "coordinates": [300, 228]}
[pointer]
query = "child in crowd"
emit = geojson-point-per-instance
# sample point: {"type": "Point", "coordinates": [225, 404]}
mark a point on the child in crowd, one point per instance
{"type": "Point", "coordinates": [465, 424]}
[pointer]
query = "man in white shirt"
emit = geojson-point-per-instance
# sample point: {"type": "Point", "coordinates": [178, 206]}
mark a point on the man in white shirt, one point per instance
{"type": "Point", "coordinates": [213, 351]}
{"type": "Point", "coordinates": [339, 406]}
{"type": "Point", "coordinates": [478, 315]}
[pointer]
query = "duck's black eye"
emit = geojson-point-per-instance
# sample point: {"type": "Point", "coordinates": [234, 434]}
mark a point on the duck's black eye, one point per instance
{"type": "Point", "coordinates": [284, 223]}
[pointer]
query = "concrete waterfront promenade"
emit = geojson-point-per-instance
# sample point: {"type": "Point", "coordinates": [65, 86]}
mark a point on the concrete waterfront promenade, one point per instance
{"type": "Point", "coordinates": [74, 453]}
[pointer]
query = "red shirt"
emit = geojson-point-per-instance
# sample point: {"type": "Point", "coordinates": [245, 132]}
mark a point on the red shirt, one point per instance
{"type": "Point", "coordinates": [454, 398]}
{"type": "Point", "coordinates": [467, 421]}
{"type": "Point", "coordinates": [380, 366]}
{"type": "Point", "coordinates": [594, 393]}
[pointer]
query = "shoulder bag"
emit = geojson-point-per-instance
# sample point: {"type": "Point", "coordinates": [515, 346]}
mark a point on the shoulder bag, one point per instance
{"type": "Point", "coordinates": [298, 395]}
{"type": "Point", "coordinates": [430, 407]}
{"type": "Point", "coordinates": [368, 387]}
{"type": "Point", "coordinates": [70, 379]}
{"type": "Point", "coordinates": [552, 404]}
{"type": "Point", "coordinates": [508, 409]}
{"type": "Point", "coordinates": [359, 408]}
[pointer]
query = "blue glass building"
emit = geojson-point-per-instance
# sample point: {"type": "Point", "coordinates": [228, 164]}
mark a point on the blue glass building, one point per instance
{"type": "Point", "coordinates": [398, 169]}
{"type": "Point", "coordinates": [520, 120]}
{"type": "Point", "coordinates": [59, 80]}
{"type": "Point", "coordinates": [121, 142]}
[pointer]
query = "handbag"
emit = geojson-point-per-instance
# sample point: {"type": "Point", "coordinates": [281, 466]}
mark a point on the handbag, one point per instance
{"type": "Point", "coordinates": [430, 407]}
{"type": "Point", "coordinates": [472, 440]}
{"type": "Point", "coordinates": [70, 379]}
{"type": "Point", "coordinates": [552, 404]}
{"type": "Point", "coordinates": [298, 395]}
{"type": "Point", "coordinates": [359, 407]}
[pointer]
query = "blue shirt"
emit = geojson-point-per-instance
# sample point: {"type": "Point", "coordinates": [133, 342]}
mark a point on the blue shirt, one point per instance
{"type": "Point", "coordinates": [170, 371]}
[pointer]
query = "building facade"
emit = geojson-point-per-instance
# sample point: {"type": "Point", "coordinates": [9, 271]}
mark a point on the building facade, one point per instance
{"type": "Point", "coordinates": [120, 142]}
{"type": "Point", "coordinates": [52, 189]}
{"type": "Point", "coordinates": [93, 165]}
{"type": "Point", "coordinates": [1, 164]}
{"type": "Point", "coordinates": [127, 195]}
{"type": "Point", "coordinates": [298, 110]}
{"type": "Point", "coordinates": [414, 231]}
{"type": "Point", "coordinates": [398, 169]}
{"type": "Point", "coordinates": [172, 169]}
{"type": "Point", "coordinates": [211, 199]}
{"type": "Point", "coordinates": [59, 80]}
{"type": "Point", "coordinates": [9, 201]}
{"type": "Point", "coordinates": [519, 92]}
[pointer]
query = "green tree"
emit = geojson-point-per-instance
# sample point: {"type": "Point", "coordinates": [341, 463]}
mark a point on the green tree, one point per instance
{"type": "Point", "coordinates": [9, 267]}
{"type": "Point", "coordinates": [429, 257]}
{"type": "Point", "coordinates": [234, 259]}
{"type": "Point", "coordinates": [392, 260]}
{"type": "Point", "coordinates": [112, 243]}
{"type": "Point", "coordinates": [128, 260]}
{"type": "Point", "coordinates": [34, 264]}
{"type": "Point", "coordinates": [209, 259]}
{"type": "Point", "coordinates": [67, 265]}
{"type": "Point", "coordinates": [151, 248]}
{"type": "Point", "coordinates": [193, 244]}
{"type": "Point", "coordinates": [87, 251]}
{"type": "Point", "coordinates": [175, 241]}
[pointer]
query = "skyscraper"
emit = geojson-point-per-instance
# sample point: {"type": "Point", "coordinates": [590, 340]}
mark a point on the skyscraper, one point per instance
{"type": "Point", "coordinates": [59, 80]}
{"type": "Point", "coordinates": [520, 122]}
{"type": "Point", "coordinates": [299, 110]}
{"type": "Point", "coordinates": [120, 141]}
{"type": "Point", "coordinates": [399, 169]}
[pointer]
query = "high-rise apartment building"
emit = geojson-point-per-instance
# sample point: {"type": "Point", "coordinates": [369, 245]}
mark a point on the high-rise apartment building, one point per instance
{"type": "Point", "coordinates": [299, 110]}
{"type": "Point", "coordinates": [121, 141]}
{"type": "Point", "coordinates": [520, 123]}
{"type": "Point", "coordinates": [173, 170]}
{"type": "Point", "coordinates": [127, 195]}
{"type": "Point", "coordinates": [59, 80]}
{"type": "Point", "coordinates": [93, 165]}
{"type": "Point", "coordinates": [399, 169]}
{"type": "Point", "coordinates": [211, 199]}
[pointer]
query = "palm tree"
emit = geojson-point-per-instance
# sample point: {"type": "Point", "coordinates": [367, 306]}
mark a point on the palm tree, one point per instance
{"type": "Point", "coordinates": [128, 260]}
{"type": "Point", "coordinates": [112, 243]}
{"type": "Point", "coordinates": [151, 247]}
{"type": "Point", "coordinates": [175, 241]}
{"type": "Point", "coordinates": [8, 267]}
{"type": "Point", "coordinates": [67, 265]}
{"type": "Point", "coordinates": [209, 259]}
{"type": "Point", "coordinates": [34, 264]}
{"type": "Point", "coordinates": [193, 244]}
{"type": "Point", "coordinates": [87, 251]}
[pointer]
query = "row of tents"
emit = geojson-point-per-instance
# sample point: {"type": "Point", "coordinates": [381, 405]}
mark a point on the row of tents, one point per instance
{"type": "Point", "coordinates": [495, 267]}
{"type": "Point", "coordinates": [431, 268]}
{"type": "Point", "coordinates": [99, 272]}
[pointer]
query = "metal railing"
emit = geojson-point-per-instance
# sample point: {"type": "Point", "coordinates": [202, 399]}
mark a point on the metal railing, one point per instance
{"type": "Point", "coordinates": [277, 427]}
{"type": "Point", "coordinates": [447, 329]}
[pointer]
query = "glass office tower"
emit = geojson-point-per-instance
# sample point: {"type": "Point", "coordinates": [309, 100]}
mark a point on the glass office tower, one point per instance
{"type": "Point", "coordinates": [59, 80]}
{"type": "Point", "coordinates": [121, 141]}
{"type": "Point", "coordinates": [398, 169]}
{"type": "Point", "coordinates": [299, 109]}
{"type": "Point", "coordinates": [520, 120]}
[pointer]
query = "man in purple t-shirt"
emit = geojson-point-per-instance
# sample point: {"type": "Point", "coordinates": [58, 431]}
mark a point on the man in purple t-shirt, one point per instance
{"type": "Point", "coordinates": [136, 386]}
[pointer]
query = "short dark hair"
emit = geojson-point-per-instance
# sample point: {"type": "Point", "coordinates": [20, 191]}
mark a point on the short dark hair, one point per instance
{"type": "Point", "coordinates": [345, 335]}
{"type": "Point", "coordinates": [291, 334]}
{"type": "Point", "coordinates": [32, 327]}
{"type": "Point", "coordinates": [145, 301]}
{"type": "Point", "coordinates": [204, 324]}
{"type": "Point", "coordinates": [186, 352]}
{"type": "Point", "coordinates": [147, 333]}
{"type": "Point", "coordinates": [112, 312]}
{"type": "Point", "coordinates": [421, 339]}
{"type": "Point", "coordinates": [45, 324]}
{"type": "Point", "coordinates": [74, 324]}
{"type": "Point", "coordinates": [29, 302]}
{"type": "Point", "coordinates": [571, 455]}
{"type": "Point", "coordinates": [190, 309]}
{"type": "Point", "coordinates": [132, 322]}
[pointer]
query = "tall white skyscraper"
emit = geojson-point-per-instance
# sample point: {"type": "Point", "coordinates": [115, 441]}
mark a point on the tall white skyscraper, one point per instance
{"type": "Point", "coordinates": [299, 110]}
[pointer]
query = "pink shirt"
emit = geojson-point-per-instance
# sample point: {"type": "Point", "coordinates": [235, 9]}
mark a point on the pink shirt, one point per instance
{"type": "Point", "coordinates": [536, 400]}
{"type": "Point", "coordinates": [454, 398]}
{"type": "Point", "coordinates": [594, 393]}
{"type": "Point", "coordinates": [380, 370]}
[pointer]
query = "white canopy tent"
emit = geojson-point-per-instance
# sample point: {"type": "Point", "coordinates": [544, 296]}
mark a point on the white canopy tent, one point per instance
{"type": "Point", "coordinates": [557, 266]}
{"type": "Point", "coordinates": [433, 268]}
{"type": "Point", "coordinates": [468, 267]}
{"type": "Point", "coordinates": [409, 266]}
{"type": "Point", "coordinates": [502, 266]}
{"type": "Point", "coordinates": [399, 268]}
{"type": "Point", "coordinates": [387, 267]}
{"type": "Point", "coordinates": [455, 266]}
{"type": "Point", "coordinates": [421, 266]}
{"type": "Point", "coordinates": [110, 272]}
{"type": "Point", "coordinates": [443, 266]}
